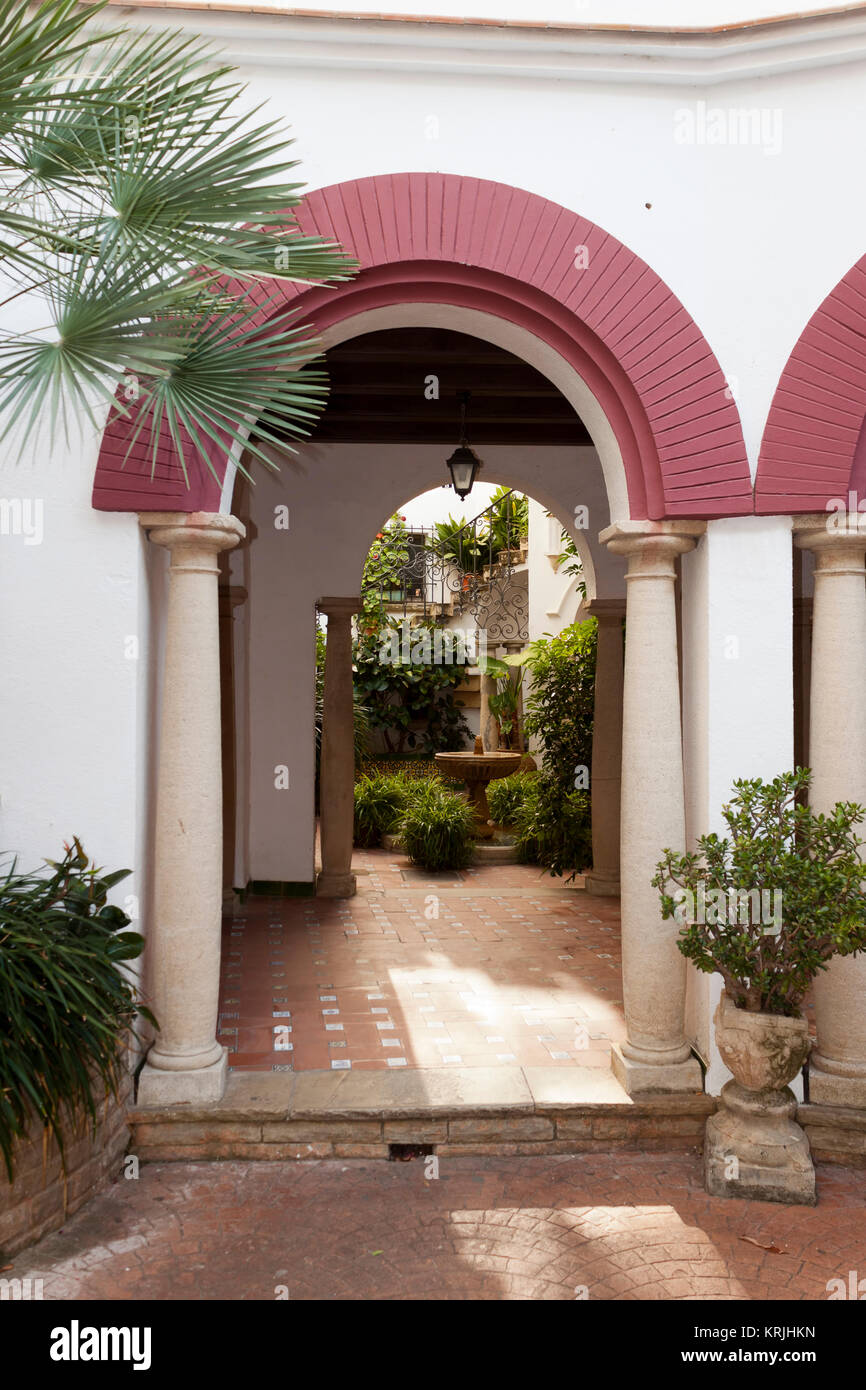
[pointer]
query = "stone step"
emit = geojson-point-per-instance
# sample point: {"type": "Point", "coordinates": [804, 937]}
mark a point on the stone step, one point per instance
{"type": "Point", "coordinates": [478, 1110]}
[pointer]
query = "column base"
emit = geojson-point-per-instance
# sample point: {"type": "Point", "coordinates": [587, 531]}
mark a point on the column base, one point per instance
{"type": "Point", "coordinates": [645, 1079]}
{"type": "Point", "coordinates": [827, 1089]}
{"type": "Point", "coordinates": [754, 1148]}
{"type": "Point", "coordinates": [602, 887]}
{"type": "Point", "coordinates": [196, 1085]}
{"type": "Point", "coordinates": [336, 885]}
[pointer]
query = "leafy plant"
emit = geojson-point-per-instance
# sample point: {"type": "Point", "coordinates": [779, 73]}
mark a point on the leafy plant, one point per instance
{"type": "Point", "coordinates": [379, 806]}
{"type": "Point", "coordinates": [554, 827]}
{"type": "Point", "coordinates": [561, 703]}
{"type": "Point", "coordinates": [437, 829]}
{"type": "Point", "coordinates": [506, 795]}
{"type": "Point", "coordinates": [384, 575]}
{"type": "Point", "coordinates": [571, 564]}
{"type": "Point", "coordinates": [457, 542]}
{"type": "Point", "coordinates": [412, 703]}
{"type": "Point", "coordinates": [142, 208]}
{"type": "Point", "coordinates": [65, 1002]}
{"type": "Point", "coordinates": [770, 904]}
{"type": "Point", "coordinates": [507, 521]}
{"type": "Point", "coordinates": [504, 703]}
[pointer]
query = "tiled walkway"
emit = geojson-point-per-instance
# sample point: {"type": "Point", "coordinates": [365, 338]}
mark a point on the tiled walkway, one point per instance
{"type": "Point", "coordinates": [497, 965]}
{"type": "Point", "coordinates": [601, 1226]}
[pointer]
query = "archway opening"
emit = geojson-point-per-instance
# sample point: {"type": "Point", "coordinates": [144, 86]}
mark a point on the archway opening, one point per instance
{"type": "Point", "coordinates": [392, 420]}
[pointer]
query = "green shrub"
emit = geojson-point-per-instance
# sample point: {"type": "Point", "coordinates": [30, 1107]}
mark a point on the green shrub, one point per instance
{"type": "Point", "coordinates": [398, 765]}
{"type": "Point", "coordinates": [66, 1006]}
{"type": "Point", "coordinates": [506, 795]}
{"type": "Point", "coordinates": [379, 805]}
{"type": "Point", "coordinates": [381, 800]}
{"type": "Point", "coordinates": [437, 829]}
{"type": "Point", "coordinates": [769, 907]}
{"type": "Point", "coordinates": [554, 826]}
{"type": "Point", "coordinates": [561, 703]}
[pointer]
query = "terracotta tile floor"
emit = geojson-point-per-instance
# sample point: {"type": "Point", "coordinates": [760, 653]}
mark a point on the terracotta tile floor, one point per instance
{"type": "Point", "coordinates": [497, 964]}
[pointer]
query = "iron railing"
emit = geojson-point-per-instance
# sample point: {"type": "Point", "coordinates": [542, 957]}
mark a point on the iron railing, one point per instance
{"type": "Point", "coordinates": [473, 572]}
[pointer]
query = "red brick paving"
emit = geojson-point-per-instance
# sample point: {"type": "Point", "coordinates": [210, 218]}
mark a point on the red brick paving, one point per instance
{"type": "Point", "coordinates": [515, 969]}
{"type": "Point", "coordinates": [621, 1227]}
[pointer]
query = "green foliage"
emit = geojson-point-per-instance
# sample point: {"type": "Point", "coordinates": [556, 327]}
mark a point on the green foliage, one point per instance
{"type": "Point", "coordinates": [554, 819]}
{"type": "Point", "coordinates": [506, 796]}
{"type": "Point", "coordinates": [65, 1003]}
{"type": "Point", "coordinates": [504, 703]}
{"type": "Point", "coordinates": [382, 799]}
{"type": "Point", "coordinates": [776, 843]}
{"type": "Point", "coordinates": [571, 564]}
{"type": "Point", "coordinates": [411, 767]}
{"type": "Point", "coordinates": [554, 826]}
{"type": "Point", "coordinates": [383, 579]}
{"type": "Point", "coordinates": [457, 542]}
{"type": "Point", "coordinates": [362, 714]}
{"type": "Point", "coordinates": [401, 696]}
{"type": "Point", "coordinates": [379, 806]}
{"type": "Point", "coordinates": [437, 830]}
{"type": "Point", "coordinates": [137, 186]}
{"type": "Point", "coordinates": [559, 710]}
{"type": "Point", "coordinates": [507, 521]}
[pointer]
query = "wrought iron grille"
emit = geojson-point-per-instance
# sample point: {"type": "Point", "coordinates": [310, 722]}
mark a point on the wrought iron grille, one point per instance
{"type": "Point", "coordinates": [476, 572]}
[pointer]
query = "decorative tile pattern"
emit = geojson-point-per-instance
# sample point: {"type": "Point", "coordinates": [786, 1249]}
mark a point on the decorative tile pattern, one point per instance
{"type": "Point", "coordinates": [502, 965]}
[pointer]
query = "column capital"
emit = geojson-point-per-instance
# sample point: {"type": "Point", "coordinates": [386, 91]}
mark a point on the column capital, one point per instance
{"type": "Point", "coordinates": [832, 544]}
{"type": "Point", "coordinates": [665, 539]}
{"type": "Point", "coordinates": [626, 537]}
{"type": "Point", "coordinates": [339, 607]}
{"type": "Point", "coordinates": [211, 531]}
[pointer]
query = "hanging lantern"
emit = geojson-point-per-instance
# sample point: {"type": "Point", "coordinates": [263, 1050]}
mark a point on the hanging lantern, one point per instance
{"type": "Point", "coordinates": [464, 463]}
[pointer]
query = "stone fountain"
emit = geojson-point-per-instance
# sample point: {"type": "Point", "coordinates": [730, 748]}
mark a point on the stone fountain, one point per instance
{"type": "Point", "coordinates": [477, 770]}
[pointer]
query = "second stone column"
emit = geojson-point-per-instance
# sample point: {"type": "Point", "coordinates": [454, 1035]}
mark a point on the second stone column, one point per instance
{"type": "Point", "coordinates": [656, 1056]}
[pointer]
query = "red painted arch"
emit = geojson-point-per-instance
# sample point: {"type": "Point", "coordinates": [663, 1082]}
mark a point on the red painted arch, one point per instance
{"type": "Point", "coordinates": [813, 447]}
{"type": "Point", "coordinates": [440, 238]}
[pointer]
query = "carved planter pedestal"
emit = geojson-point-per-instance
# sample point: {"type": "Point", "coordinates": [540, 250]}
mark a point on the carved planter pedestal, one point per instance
{"type": "Point", "coordinates": [754, 1146]}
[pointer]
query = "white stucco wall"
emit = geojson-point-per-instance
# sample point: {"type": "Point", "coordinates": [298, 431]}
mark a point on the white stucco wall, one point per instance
{"type": "Point", "coordinates": [738, 693]}
{"type": "Point", "coordinates": [79, 604]}
{"type": "Point", "coordinates": [751, 237]}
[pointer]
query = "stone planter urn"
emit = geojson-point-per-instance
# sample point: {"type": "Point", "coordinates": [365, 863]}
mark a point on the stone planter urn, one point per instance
{"type": "Point", "coordinates": [754, 1146]}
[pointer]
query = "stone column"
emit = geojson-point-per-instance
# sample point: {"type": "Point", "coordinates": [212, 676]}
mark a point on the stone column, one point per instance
{"type": "Point", "coordinates": [186, 1063]}
{"type": "Point", "coordinates": [337, 767]}
{"type": "Point", "coordinates": [487, 725]}
{"type": "Point", "coordinates": [837, 756]}
{"type": "Point", "coordinates": [230, 598]}
{"type": "Point", "coordinates": [656, 1057]}
{"type": "Point", "coordinates": [516, 678]}
{"type": "Point", "coordinates": [606, 771]}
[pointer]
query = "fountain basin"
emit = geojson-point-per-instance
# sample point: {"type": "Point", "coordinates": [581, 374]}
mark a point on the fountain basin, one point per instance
{"type": "Point", "coordinates": [477, 770]}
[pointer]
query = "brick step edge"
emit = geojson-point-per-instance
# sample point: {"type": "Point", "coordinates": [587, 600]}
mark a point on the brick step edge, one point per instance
{"type": "Point", "coordinates": [836, 1133]}
{"type": "Point", "coordinates": [185, 1139]}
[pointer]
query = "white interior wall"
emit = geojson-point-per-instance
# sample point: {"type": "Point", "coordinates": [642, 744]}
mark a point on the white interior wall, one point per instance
{"type": "Point", "coordinates": [738, 694]}
{"type": "Point", "coordinates": [77, 695]}
{"type": "Point", "coordinates": [339, 495]}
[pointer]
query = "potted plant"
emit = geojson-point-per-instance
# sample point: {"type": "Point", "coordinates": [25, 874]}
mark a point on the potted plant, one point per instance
{"type": "Point", "coordinates": [504, 703]}
{"type": "Point", "coordinates": [767, 907]}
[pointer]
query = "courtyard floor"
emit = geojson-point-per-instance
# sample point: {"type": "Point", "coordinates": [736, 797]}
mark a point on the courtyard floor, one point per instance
{"type": "Point", "coordinates": [598, 1226]}
{"type": "Point", "coordinates": [495, 965]}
